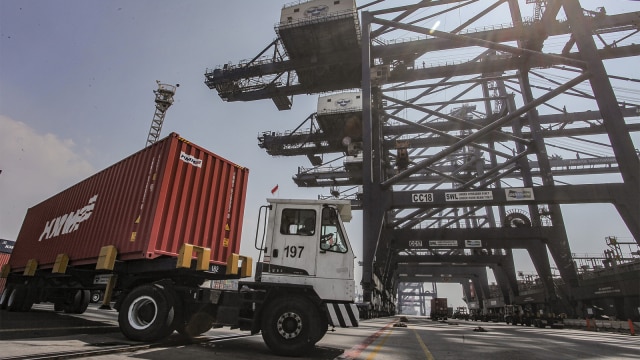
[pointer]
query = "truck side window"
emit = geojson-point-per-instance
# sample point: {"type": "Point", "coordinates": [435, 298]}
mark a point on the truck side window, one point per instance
{"type": "Point", "coordinates": [298, 222]}
{"type": "Point", "coordinates": [331, 238]}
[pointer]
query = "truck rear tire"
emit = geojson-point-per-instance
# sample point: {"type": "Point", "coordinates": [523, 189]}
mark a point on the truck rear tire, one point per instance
{"type": "Point", "coordinates": [146, 314]}
{"type": "Point", "coordinates": [291, 326]}
{"type": "Point", "coordinates": [4, 299]}
{"type": "Point", "coordinates": [20, 299]}
{"type": "Point", "coordinates": [79, 302]}
{"type": "Point", "coordinates": [198, 324]}
{"type": "Point", "coordinates": [96, 296]}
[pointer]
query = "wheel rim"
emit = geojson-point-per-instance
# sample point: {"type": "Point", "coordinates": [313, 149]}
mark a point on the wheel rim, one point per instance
{"type": "Point", "coordinates": [5, 297]}
{"type": "Point", "coordinates": [142, 312]}
{"type": "Point", "coordinates": [289, 325]}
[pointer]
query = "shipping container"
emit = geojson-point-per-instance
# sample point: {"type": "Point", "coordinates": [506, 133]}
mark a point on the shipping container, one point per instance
{"type": "Point", "coordinates": [325, 33]}
{"type": "Point", "coordinates": [147, 206]}
{"type": "Point", "coordinates": [6, 247]}
{"type": "Point", "coordinates": [439, 309]}
{"type": "Point", "coordinates": [340, 103]}
{"type": "Point", "coordinates": [314, 10]}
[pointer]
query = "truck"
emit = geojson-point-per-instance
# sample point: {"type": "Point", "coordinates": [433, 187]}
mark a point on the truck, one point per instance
{"type": "Point", "coordinates": [461, 313]}
{"type": "Point", "coordinates": [439, 309]}
{"type": "Point", "coordinates": [156, 226]}
{"type": "Point", "coordinates": [517, 314]}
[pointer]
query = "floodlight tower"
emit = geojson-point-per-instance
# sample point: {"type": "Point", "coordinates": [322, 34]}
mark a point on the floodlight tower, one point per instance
{"type": "Point", "coordinates": [164, 99]}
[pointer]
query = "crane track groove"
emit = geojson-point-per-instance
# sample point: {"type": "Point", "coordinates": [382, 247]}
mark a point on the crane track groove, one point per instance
{"type": "Point", "coordinates": [125, 348]}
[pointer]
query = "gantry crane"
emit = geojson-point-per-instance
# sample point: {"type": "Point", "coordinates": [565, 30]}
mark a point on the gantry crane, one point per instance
{"type": "Point", "coordinates": [430, 179]}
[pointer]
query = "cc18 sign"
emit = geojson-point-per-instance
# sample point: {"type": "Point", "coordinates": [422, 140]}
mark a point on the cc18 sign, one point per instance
{"type": "Point", "coordinates": [422, 197]}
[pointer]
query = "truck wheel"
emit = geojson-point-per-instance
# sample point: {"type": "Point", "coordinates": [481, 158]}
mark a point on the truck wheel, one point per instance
{"type": "Point", "coordinates": [79, 302]}
{"type": "Point", "coordinates": [291, 326]}
{"type": "Point", "coordinates": [96, 296]}
{"type": "Point", "coordinates": [19, 299]}
{"type": "Point", "coordinates": [198, 324]}
{"type": "Point", "coordinates": [4, 300]}
{"type": "Point", "coordinates": [324, 327]}
{"type": "Point", "coordinates": [146, 314]}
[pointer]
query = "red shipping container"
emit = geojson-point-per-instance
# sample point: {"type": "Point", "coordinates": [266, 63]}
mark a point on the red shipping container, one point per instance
{"type": "Point", "coordinates": [439, 304]}
{"type": "Point", "coordinates": [4, 259]}
{"type": "Point", "coordinates": [147, 205]}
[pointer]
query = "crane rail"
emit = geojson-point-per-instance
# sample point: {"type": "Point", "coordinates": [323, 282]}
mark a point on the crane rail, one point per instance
{"type": "Point", "coordinates": [116, 348]}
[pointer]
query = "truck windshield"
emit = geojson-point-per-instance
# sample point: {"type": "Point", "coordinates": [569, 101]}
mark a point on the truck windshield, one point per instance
{"type": "Point", "coordinates": [331, 238]}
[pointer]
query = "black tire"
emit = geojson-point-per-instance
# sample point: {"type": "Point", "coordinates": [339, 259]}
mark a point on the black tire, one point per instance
{"type": "Point", "coordinates": [324, 327]}
{"type": "Point", "coordinates": [4, 299]}
{"type": "Point", "coordinates": [79, 302]}
{"type": "Point", "coordinates": [17, 298]}
{"type": "Point", "coordinates": [29, 298]}
{"type": "Point", "coordinates": [198, 324]}
{"type": "Point", "coordinates": [291, 326]}
{"type": "Point", "coordinates": [146, 314]}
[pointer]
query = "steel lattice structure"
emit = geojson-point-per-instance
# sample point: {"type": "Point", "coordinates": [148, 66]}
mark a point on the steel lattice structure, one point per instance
{"type": "Point", "coordinates": [473, 134]}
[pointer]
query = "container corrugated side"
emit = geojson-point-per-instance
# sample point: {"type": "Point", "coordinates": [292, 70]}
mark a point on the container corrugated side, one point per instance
{"type": "Point", "coordinates": [147, 205]}
{"type": "Point", "coordinates": [4, 259]}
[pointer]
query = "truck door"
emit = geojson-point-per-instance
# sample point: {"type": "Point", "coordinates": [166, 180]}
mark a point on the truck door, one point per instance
{"type": "Point", "coordinates": [335, 256]}
{"type": "Point", "coordinates": [293, 242]}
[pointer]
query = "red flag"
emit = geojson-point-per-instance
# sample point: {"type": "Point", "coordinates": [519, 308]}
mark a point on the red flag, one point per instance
{"type": "Point", "coordinates": [275, 188]}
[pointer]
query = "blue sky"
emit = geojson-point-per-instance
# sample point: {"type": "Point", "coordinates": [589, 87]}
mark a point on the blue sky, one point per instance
{"type": "Point", "coordinates": [76, 95]}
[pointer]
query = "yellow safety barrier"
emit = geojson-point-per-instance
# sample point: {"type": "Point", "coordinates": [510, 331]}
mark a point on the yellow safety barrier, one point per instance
{"type": "Point", "coordinates": [233, 265]}
{"type": "Point", "coordinates": [186, 254]}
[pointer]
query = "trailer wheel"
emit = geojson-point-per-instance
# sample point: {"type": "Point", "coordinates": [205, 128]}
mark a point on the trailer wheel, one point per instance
{"type": "Point", "coordinates": [79, 302]}
{"type": "Point", "coordinates": [291, 326]}
{"type": "Point", "coordinates": [198, 324]}
{"type": "Point", "coordinates": [146, 314]}
{"type": "Point", "coordinates": [19, 299]}
{"type": "Point", "coordinates": [96, 296]}
{"type": "Point", "coordinates": [4, 299]}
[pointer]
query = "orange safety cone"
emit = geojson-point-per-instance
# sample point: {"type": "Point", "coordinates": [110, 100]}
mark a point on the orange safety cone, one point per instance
{"type": "Point", "coordinates": [631, 328]}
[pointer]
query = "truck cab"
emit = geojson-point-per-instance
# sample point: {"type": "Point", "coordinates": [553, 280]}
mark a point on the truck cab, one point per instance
{"type": "Point", "coordinates": [306, 244]}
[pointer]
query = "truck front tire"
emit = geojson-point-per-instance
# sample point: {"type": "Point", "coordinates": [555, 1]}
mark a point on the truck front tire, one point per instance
{"type": "Point", "coordinates": [291, 326]}
{"type": "Point", "coordinates": [146, 314]}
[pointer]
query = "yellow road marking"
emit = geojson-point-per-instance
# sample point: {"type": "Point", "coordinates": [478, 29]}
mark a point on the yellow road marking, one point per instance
{"type": "Point", "coordinates": [375, 351]}
{"type": "Point", "coordinates": [426, 351]}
